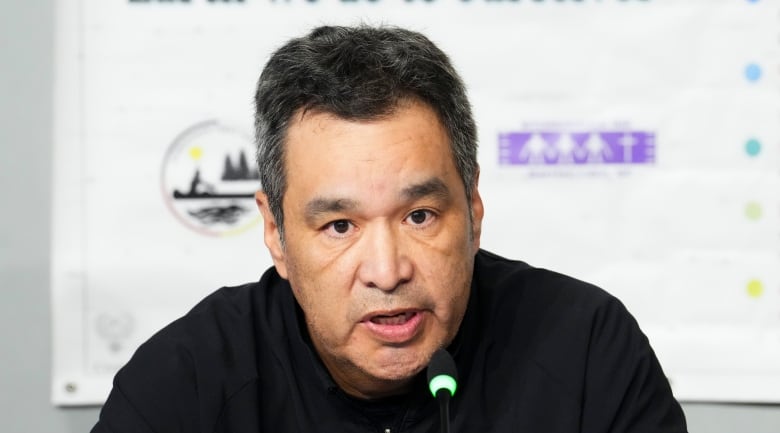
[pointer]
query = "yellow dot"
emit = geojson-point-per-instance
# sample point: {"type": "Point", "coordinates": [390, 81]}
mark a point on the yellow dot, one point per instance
{"type": "Point", "coordinates": [196, 152]}
{"type": "Point", "coordinates": [753, 210]}
{"type": "Point", "coordinates": [755, 289]}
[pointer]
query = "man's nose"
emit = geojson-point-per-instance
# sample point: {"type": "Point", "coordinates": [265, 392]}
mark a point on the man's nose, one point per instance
{"type": "Point", "coordinates": [384, 263]}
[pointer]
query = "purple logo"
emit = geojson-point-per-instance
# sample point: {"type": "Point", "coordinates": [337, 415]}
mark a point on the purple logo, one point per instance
{"type": "Point", "coordinates": [541, 147]}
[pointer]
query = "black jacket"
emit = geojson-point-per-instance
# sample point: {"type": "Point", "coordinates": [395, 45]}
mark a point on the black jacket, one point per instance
{"type": "Point", "coordinates": [537, 352]}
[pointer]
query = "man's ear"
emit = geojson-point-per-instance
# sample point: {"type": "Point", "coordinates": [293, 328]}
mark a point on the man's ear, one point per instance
{"type": "Point", "coordinates": [271, 236]}
{"type": "Point", "coordinates": [477, 212]}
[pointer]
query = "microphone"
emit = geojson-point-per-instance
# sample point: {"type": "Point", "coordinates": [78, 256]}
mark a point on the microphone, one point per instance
{"type": "Point", "coordinates": [442, 381]}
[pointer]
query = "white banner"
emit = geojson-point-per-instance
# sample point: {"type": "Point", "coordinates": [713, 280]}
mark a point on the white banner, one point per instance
{"type": "Point", "coordinates": [631, 143]}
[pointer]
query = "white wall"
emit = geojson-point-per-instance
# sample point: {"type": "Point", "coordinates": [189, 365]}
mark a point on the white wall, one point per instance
{"type": "Point", "coordinates": [26, 32]}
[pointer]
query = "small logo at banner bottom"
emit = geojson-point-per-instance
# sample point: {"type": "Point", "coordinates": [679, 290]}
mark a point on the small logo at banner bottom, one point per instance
{"type": "Point", "coordinates": [209, 179]}
{"type": "Point", "coordinates": [550, 147]}
{"type": "Point", "coordinates": [115, 329]}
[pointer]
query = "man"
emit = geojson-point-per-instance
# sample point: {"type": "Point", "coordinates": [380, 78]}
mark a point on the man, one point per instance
{"type": "Point", "coordinates": [367, 154]}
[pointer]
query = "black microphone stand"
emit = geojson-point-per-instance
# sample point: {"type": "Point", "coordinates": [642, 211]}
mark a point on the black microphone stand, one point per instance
{"type": "Point", "coordinates": [443, 396]}
{"type": "Point", "coordinates": [443, 380]}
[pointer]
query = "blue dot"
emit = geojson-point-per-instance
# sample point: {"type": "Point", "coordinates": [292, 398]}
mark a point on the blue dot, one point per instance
{"type": "Point", "coordinates": [753, 147]}
{"type": "Point", "coordinates": [753, 72]}
{"type": "Point", "coordinates": [752, 1]}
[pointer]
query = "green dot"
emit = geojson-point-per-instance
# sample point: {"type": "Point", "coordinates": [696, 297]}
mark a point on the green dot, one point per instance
{"type": "Point", "coordinates": [753, 211]}
{"type": "Point", "coordinates": [753, 147]}
{"type": "Point", "coordinates": [755, 288]}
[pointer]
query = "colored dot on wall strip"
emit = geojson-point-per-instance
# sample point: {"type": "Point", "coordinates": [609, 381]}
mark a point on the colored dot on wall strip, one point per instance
{"type": "Point", "coordinates": [753, 211]}
{"type": "Point", "coordinates": [755, 288]}
{"type": "Point", "coordinates": [753, 72]}
{"type": "Point", "coordinates": [753, 147]}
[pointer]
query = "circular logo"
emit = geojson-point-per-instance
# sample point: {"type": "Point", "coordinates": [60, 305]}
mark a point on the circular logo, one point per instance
{"type": "Point", "coordinates": [209, 179]}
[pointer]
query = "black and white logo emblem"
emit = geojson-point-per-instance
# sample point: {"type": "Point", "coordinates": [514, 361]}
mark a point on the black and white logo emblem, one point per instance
{"type": "Point", "coordinates": [209, 178]}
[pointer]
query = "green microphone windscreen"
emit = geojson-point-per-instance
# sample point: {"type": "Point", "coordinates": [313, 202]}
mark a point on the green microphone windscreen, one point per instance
{"type": "Point", "coordinates": [442, 373]}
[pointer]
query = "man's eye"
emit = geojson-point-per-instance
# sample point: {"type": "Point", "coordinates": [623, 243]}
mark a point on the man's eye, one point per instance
{"type": "Point", "coordinates": [420, 216]}
{"type": "Point", "coordinates": [340, 226]}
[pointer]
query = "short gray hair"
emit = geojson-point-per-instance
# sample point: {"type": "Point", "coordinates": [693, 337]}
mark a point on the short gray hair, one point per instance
{"type": "Point", "coordinates": [357, 73]}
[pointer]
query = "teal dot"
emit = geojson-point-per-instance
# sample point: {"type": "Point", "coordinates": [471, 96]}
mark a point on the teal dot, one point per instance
{"type": "Point", "coordinates": [753, 72]}
{"type": "Point", "coordinates": [753, 147]}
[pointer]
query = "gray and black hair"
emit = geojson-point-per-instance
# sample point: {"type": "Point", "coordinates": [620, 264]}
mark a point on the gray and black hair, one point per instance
{"type": "Point", "coordinates": [357, 73]}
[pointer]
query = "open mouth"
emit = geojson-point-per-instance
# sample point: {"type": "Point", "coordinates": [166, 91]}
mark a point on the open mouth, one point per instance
{"type": "Point", "coordinates": [397, 319]}
{"type": "Point", "coordinates": [396, 326]}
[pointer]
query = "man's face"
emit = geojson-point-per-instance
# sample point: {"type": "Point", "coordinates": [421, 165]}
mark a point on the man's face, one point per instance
{"type": "Point", "coordinates": [379, 249]}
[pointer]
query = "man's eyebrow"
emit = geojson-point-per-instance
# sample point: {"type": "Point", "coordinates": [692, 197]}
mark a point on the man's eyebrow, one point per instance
{"type": "Point", "coordinates": [321, 205]}
{"type": "Point", "coordinates": [434, 187]}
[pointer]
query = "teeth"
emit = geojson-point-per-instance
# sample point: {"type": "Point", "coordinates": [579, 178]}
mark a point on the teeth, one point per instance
{"type": "Point", "coordinates": [398, 319]}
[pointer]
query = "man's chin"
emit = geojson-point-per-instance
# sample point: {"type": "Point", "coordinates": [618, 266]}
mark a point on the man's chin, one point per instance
{"type": "Point", "coordinates": [397, 367]}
